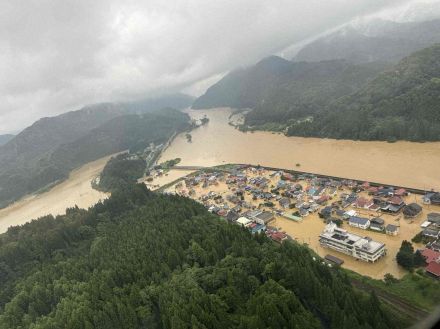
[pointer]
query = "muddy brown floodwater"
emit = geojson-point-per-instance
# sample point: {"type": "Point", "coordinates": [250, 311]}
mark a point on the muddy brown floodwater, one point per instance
{"type": "Point", "coordinates": [402, 163]}
{"type": "Point", "coordinates": [76, 190]}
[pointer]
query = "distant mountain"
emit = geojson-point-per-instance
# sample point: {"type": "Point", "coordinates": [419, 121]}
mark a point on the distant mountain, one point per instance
{"type": "Point", "coordinates": [279, 90]}
{"type": "Point", "coordinates": [400, 103]}
{"type": "Point", "coordinates": [5, 138]}
{"type": "Point", "coordinates": [376, 40]}
{"type": "Point", "coordinates": [245, 87]}
{"type": "Point", "coordinates": [25, 159]}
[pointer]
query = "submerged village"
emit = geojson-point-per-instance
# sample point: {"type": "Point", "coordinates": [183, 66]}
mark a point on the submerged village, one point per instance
{"type": "Point", "coordinates": [349, 223]}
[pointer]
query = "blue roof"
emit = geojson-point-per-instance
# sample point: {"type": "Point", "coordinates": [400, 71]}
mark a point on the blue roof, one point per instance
{"type": "Point", "coordinates": [358, 220]}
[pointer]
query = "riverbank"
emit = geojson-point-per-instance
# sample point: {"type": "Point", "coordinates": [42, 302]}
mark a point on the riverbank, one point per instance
{"type": "Point", "coordinates": [76, 190]}
{"type": "Point", "coordinates": [401, 164]}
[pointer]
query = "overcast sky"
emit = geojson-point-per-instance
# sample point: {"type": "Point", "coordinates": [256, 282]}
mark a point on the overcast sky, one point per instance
{"type": "Point", "coordinates": [56, 55]}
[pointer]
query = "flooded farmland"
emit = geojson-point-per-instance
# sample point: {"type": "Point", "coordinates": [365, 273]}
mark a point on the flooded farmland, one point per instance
{"type": "Point", "coordinates": [76, 190]}
{"type": "Point", "coordinates": [401, 163]}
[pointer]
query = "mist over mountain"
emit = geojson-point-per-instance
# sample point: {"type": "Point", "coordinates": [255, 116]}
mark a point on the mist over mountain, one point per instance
{"type": "Point", "coordinates": [279, 90]}
{"type": "Point", "coordinates": [400, 103]}
{"type": "Point", "coordinates": [5, 138]}
{"type": "Point", "coordinates": [375, 40]}
{"type": "Point", "coordinates": [29, 160]}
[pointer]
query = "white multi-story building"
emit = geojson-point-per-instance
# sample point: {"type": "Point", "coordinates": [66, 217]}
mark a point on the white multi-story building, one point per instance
{"type": "Point", "coordinates": [363, 248]}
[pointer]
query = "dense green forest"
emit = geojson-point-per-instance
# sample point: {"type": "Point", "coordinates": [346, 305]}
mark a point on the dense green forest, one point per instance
{"type": "Point", "coordinates": [144, 260]}
{"type": "Point", "coordinates": [120, 133]}
{"type": "Point", "coordinates": [401, 103]}
{"type": "Point", "coordinates": [121, 171]}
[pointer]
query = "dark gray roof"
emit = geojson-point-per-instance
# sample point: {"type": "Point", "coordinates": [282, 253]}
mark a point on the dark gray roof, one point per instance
{"type": "Point", "coordinates": [391, 228]}
{"type": "Point", "coordinates": [358, 220]}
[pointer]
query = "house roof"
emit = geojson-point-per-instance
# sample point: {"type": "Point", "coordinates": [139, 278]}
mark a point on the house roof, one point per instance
{"type": "Point", "coordinates": [433, 268]}
{"type": "Point", "coordinates": [358, 220]}
{"type": "Point", "coordinates": [412, 209]}
{"type": "Point", "coordinates": [265, 216]}
{"type": "Point", "coordinates": [378, 220]}
{"type": "Point", "coordinates": [430, 255]}
{"type": "Point", "coordinates": [400, 191]}
{"type": "Point", "coordinates": [362, 202]}
{"type": "Point", "coordinates": [391, 228]}
{"type": "Point", "coordinates": [396, 200]}
{"type": "Point", "coordinates": [430, 232]}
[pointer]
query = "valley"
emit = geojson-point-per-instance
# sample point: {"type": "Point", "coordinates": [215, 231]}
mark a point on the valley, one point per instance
{"type": "Point", "coordinates": [76, 190]}
{"type": "Point", "coordinates": [402, 163]}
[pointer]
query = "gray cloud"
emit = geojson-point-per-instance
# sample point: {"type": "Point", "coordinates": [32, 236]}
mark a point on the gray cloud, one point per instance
{"type": "Point", "coordinates": [58, 55]}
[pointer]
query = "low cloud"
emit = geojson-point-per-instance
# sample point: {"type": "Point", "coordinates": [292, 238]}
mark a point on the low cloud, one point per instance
{"type": "Point", "coordinates": [59, 55]}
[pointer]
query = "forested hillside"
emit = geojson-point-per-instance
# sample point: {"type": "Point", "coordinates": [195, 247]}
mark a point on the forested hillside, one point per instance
{"type": "Point", "coordinates": [279, 90]}
{"type": "Point", "coordinates": [401, 103]}
{"type": "Point", "coordinates": [142, 260]}
{"type": "Point", "coordinates": [121, 133]}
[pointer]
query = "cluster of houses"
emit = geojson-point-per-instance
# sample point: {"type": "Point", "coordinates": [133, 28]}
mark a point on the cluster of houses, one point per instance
{"type": "Point", "coordinates": [254, 198]}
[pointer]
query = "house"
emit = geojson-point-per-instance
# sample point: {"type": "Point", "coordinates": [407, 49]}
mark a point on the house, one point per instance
{"type": "Point", "coordinates": [432, 198]}
{"type": "Point", "coordinates": [303, 212]}
{"type": "Point", "coordinates": [433, 268]}
{"type": "Point", "coordinates": [257, 228]}
{"type": "Point", "coordinates": [430, 233]}
{"type": "Point", "coordinates": [412, 210]}
{"type": "Point", "coordinates": [334, 260]}
{"type": "Point", "coordinates": [264, 217]}
{"type": "Point", "coordinates": [435, 245]}
{"type": "Point", "coordinates": [435, 199]}
{"type": "Point", "coordinates": [394, 205]}
{"type": "Point", "coordinates": [325, 212]}
{"type": "Point", "coordinates": [232, 216]}
{"type": "Point", "coordinates": [377, 224]}
{"type": "Point", "coordinates": [284, 202]}
{"type": "Point", "coordinates": [434, 218]}
{"type": "Point", "coordinates": [350, 213]}
{"type": "Point", "coordinates": [391, 229]}
{"type": "Point", "coordinates": [244, 221]}
{"type": "Point", "coordinates": [425, 224]}
{"type": "Point", "coordinates": [322, 199]}
{"type": "Point", "coordinates": [277, 236]}
{"type": "Point", "coordinates": [430, 255]}
{"type": "Point", "coordinates": [385, 191]}
{"type": "Point", "coordinates": [360, 222]}
{"type": "Point", "coordinates": [400, 192]}
{"type": "Point", "coordinates": [362, 202]}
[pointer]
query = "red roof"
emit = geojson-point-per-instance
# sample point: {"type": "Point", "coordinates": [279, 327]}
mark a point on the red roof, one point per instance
{"type": "Point", "coordinates": [366, 185]}
{"type": "Point", "coordinates": [395, 200]}
{"type": "Point", "coordinates": [433, 268]}
{"type": "Point", "coordinates": [373, 189]}
{"type": "Point", "coordinates": [362, 202]}
{"type": "Point", "coordinates": [430, 255]}
{"type": "Point", "coordinates": [400, 192]}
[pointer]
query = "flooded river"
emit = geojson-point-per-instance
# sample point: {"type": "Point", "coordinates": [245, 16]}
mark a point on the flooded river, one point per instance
{"type": "Point", "coordinates": [402, 163]}
{"type": "Point", "coordinates": [76, 190]}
